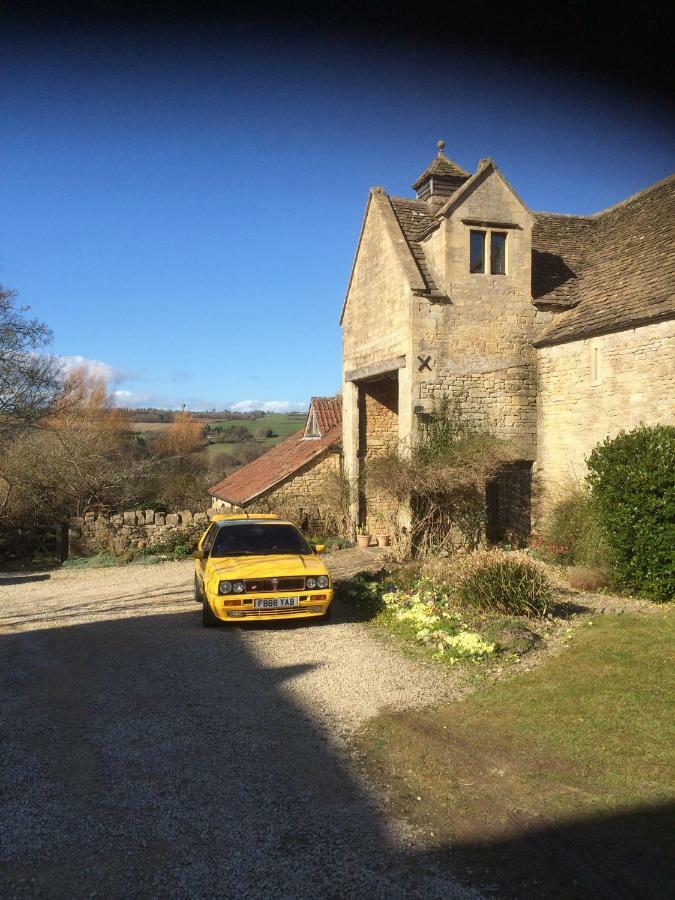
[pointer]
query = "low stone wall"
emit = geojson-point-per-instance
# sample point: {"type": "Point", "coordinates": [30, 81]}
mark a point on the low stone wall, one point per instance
{"type": "Point", "coordinates": [135, 530]}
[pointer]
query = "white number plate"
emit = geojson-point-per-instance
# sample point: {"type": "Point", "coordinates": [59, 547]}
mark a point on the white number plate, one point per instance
{"type": "Point", "coordinates": [276, 602]}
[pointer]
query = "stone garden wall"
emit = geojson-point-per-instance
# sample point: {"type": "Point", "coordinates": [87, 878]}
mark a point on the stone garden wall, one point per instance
{"type": "Point", "coordinates": [135, 530]}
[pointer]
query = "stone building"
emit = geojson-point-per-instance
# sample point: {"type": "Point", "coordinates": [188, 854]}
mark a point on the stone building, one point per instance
{"type": "Point", "coordinates": [296, 477]}
{"type": "Point", "coordinates": [553, 330]}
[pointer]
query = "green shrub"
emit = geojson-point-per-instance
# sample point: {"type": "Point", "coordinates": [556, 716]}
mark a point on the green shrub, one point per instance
{"type": "Point", "coordinates": [632, 481]}
{"type": "Point", "coordinates": [573, 534]}
{"type": "Point", "coordinates": [509, 583]}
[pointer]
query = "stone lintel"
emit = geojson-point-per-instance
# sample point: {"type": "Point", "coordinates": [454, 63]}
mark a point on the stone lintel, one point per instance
{"type": "Point", "coordinates": [486, 223]}
{"type": "Point", "coordinates": [378, 368]}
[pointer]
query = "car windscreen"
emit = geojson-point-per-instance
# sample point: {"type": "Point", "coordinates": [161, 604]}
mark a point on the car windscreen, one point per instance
{"type": "Point", "coordinates": [258, 540]}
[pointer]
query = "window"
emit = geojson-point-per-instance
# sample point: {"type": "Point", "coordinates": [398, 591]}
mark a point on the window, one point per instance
{"type": "Point", "coordinates": [498, 253]}
{"type": "Point", "coordinates": [251, 539]}
{"type": "Point", "coordinates": [477, 251]}
{"type": "Point", "coordinates": [596, 373]}
{"type": "Point", "coordinates": [495, 261]}
{"type": "Point", "coordinates": [312, 430]}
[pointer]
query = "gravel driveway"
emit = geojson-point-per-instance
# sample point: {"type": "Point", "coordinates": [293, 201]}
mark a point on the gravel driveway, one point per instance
{"type": "Point", "coordinates": [143, 755]}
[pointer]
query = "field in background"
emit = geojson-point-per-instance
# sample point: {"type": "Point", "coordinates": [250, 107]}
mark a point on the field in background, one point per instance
{"type": "Point", "coordinates": [282, 425]}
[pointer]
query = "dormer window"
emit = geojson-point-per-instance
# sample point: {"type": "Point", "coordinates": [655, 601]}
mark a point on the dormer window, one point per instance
{"type": "Point", "coordinates": [487, 252]}
{"type": "Point", "coordinates": [312, 429]}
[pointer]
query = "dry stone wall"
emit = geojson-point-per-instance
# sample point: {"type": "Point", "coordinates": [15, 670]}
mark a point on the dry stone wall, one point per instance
{"type": "Point", "coordinates": [135, 530]}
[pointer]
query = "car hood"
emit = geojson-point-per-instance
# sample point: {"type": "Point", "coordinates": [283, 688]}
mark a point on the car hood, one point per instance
{"type": "Point", "coordinates": [279, 565]}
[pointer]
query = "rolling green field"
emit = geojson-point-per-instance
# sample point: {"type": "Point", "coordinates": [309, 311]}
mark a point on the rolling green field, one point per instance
{"type": "Point", "coordinates": [282, 424]}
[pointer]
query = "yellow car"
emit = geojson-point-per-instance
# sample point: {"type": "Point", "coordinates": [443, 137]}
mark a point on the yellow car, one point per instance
{"type": "Point", "coordinates": [258, 567]}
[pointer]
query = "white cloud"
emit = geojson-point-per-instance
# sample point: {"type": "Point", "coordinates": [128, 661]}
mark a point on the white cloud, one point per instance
{"type": "Point", "coordinates": [123, 395]}
{"type": "Point", "coordinates": [277, 406]}
{"type": "Point", "coordinates": [95, 368]}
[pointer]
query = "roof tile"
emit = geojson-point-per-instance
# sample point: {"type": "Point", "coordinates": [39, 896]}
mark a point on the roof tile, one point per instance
{"type": "Point", "coordinates": [625, 266]}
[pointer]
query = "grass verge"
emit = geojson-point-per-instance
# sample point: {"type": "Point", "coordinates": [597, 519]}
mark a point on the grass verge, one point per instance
{"type": "Point", "coordinates": [556, 783]}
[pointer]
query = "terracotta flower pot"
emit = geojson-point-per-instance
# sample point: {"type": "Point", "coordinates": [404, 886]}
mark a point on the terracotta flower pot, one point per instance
{"type": "Point", "coordinates": [383, 540]}
{"type": "Point", "coordinates": [363, 540]}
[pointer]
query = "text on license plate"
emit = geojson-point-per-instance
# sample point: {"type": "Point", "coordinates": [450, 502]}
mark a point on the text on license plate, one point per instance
{"type": "Point", "coordinates": [276, 602]}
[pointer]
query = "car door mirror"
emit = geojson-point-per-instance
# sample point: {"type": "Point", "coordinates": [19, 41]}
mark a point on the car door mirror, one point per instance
{"type": "Point", "coordinates": [319, 548]}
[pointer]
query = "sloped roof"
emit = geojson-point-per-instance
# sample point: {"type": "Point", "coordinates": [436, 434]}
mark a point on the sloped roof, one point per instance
{"type": "Point", "coordinates": [625, 265]}
{"type": "Point", "coordinates": [559, 245]}
{"type": "Point", "coordinates": [285, 459]}
{"type": "Point", "coordinates": [328, 411]}
{"type": "Point", "coordinates": [442, 167]}
{"type": "Point", "coordinates": [414, 217]}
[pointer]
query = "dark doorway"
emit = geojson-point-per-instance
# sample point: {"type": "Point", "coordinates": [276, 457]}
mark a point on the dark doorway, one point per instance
{"type": "Point", "coordinates": [508, 498]}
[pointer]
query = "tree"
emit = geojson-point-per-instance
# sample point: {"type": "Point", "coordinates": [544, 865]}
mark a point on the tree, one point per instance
{"type": "Point", "coordinates": [30, 382]}
{"type": "Point", "coordinates": [182, 437]}
{"type": "Point", "coordinates": [264, 432]}
{"type": "Point", "coordinates": [80, 458]}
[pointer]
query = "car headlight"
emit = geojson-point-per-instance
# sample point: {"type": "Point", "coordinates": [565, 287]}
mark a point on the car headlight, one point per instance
{"type": "Point", "coordinates": [238, 587]}
{"type": "Point", "coordinates": [310, 583]}
{"type": "Point", "coordinates": [322, 581]}
{"type": "Point", "coordinates": [224, 587]}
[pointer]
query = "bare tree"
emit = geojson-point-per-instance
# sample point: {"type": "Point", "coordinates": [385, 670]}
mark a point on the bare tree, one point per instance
{"type": "Point", "coordinates": [29, 381]}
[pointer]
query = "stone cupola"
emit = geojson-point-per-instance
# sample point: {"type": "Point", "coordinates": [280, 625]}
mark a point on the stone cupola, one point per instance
{"type": "Point", "coordinates": [440, 179]}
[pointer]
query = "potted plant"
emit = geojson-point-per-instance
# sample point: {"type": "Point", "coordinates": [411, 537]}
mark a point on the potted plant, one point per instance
{"type": "Point", "coordinates": [383, 540]}
{"type": "Point", "coordinates": [363, 536]}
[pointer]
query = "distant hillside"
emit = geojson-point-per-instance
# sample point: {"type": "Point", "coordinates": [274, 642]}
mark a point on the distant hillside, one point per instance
{"type": "Point", "coordinates": [152, 414]}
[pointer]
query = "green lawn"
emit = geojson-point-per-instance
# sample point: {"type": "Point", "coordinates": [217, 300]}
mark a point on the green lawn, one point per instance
{"type": "Point", "coordinates": [558, 782]}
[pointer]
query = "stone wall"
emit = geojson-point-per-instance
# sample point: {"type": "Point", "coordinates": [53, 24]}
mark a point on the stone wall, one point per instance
{"type": "Point", "coordinates": [376, 321]}
{"type": "Point", "coordinates": [306, 497]}
{"type": "Point", "coordinates": [375, 326]}
{"type": "Point", "coordinates": [591, 389]}
{"type": "Point", "coordinates": [479, 340]}
{"type": "Point", "coordinates": [378, 433]}
{"type": "Point", "coordinates": [134, 530]}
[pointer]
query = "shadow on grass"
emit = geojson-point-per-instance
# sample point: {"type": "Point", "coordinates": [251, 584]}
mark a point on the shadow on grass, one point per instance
{"type": "Point", "coordinates": [628, 855]}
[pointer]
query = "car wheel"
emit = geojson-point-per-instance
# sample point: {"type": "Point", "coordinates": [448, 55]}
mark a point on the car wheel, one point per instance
{"type": "Point", "coordinates": [328, 615]}
{"type": "Point", "coordinates": [209, 620]}
{"type": "Point", "coordinates": [197, 595]}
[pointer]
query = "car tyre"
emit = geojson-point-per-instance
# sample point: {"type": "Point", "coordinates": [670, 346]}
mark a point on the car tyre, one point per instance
{"type": "Point", "coordinates": [327, 617]}
{"type": "Point", "coordinates": [197, 595]}
{"type": "Point", "coordinates": [209, 620]}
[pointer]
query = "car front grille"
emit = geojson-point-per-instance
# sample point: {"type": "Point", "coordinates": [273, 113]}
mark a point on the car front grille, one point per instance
{"type": "Point", "coordinates": [273, 585]}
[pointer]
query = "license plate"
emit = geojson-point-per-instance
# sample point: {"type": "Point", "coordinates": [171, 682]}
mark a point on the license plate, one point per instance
{"type": "Point", "coordinates": [276, 602]}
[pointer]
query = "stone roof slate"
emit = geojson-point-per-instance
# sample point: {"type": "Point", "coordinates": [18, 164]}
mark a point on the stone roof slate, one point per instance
{"type": "Point", "coordinates": [414, 218]}
{"type": "Point", "coordinates": [559, 245]}
{"type": "Point", "coordinates": [442, 167]}
{"type": "Point", "coordinates": [624, 262]}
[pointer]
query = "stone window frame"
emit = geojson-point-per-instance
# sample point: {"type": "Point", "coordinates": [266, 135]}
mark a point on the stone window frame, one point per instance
{"type": "Point", "coordinates": [488, 231]}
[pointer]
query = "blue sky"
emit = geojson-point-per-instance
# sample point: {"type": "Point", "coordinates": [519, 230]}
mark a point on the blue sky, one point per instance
{"type": "Point", "coordinates": [184, 212]}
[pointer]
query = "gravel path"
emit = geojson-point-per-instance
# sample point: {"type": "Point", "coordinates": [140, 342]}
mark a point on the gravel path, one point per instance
{"type": "Point", "coordinates": [144, 756]}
